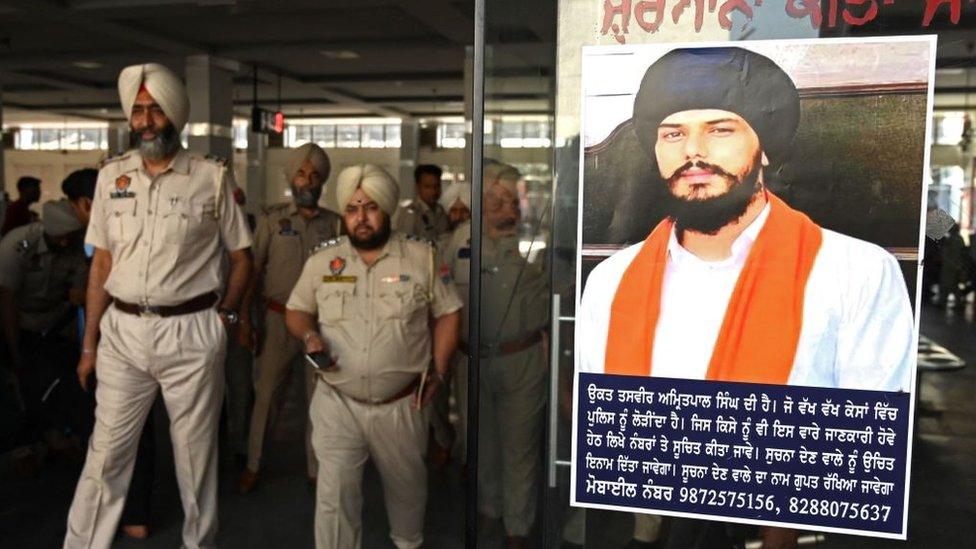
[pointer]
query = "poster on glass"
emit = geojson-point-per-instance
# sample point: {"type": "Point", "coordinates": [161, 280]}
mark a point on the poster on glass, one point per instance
{"type": "Point", "coordinates": [747, 295]}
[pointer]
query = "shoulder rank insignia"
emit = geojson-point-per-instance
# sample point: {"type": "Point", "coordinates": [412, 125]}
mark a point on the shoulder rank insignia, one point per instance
{"type": "Point", "coordinates": [122, 184]}
{"type": "Point", "coordinates": [327, 244]}
{"type": "Point", "coordinates": [113, 158]}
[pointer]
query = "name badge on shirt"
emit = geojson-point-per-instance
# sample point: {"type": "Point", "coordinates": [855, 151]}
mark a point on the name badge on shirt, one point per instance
{"type": "Point", "coordinates": [396, 278]}
{"type": "Point", "coordinates": [337, 278]}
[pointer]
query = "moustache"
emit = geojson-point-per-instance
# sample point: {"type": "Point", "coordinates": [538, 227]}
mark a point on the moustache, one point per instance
{"type": "Point", "coordinates": [682, 170]}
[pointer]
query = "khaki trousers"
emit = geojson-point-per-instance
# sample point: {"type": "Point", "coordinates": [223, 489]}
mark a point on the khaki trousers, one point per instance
{"type": "Point", "coordinates": [346, 433]}
{"type": "Point", "coordinates": [182, 355]}
{"type": "Point", "coordinates": [272, 370]}
{"type": "Point", "coordinates": [512, 407]}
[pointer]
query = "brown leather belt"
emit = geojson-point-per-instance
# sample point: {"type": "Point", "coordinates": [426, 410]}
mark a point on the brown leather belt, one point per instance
{"type": "Point", "coordinates": [406, 391]}
{"type": "Point", "coordinates": [276, 307]}
{"type": "Point", "coordinates": [197, 304]}
{"type": "Point", "coordinates": [506, 347]}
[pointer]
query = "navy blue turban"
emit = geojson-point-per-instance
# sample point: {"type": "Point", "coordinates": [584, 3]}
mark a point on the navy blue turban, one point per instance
{"type": "Point", "coordinates": [730, 79]}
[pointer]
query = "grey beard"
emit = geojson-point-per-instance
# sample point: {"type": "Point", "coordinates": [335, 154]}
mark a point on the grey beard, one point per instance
{"type": "Point", "coordinates": [306, 198]}
{"type": "Point", "coordinates": [164, 144]}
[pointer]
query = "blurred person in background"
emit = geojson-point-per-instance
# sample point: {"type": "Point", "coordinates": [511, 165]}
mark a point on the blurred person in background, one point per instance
{"type": "Point", "coordinates": [18, 213]}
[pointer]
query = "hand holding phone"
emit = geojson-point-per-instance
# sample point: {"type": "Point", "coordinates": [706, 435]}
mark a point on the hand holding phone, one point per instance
{"type": "Point", "coordinates": [320, 360]}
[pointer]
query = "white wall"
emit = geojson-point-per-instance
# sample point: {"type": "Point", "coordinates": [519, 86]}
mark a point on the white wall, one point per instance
{"type": "Point", "coordinates": [51, 167]}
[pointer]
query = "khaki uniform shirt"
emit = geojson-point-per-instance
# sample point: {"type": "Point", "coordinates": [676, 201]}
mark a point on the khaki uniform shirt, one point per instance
{"type": "Point", "coordinates": [283, 241]}
{"type": "Point", "coordinates": [165, 239]}
{"type": "Point", "coordinates": [512, 307]}
{"type": "Point", "coordinates": [39, 277]}
{"type": "Point", "coordinates": [419, 219]}
{"type": "Point", "coordinates": [375, 318]}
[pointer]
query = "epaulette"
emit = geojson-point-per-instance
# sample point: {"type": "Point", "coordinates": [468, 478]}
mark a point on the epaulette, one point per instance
{"type": "Point", "coordinates": [268, 210]}
{"type": "Point", "coordinates": [416, 238]}
{"type": "Point", "coordinates": [216, 159]}
{"type": "Point", "coordinates": [332, 242]}
{"type": "Point", "coordinates": [113, 158]}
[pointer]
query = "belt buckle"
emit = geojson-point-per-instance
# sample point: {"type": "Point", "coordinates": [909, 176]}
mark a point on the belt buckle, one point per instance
{"type": "Point", "coordinates": [148, 310]}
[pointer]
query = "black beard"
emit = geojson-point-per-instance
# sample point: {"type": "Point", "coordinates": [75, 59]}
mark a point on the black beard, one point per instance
{"type": "Point", "coordinates": [166, 142]}
{"type": "Point", "coordinates": [375, 242]}
{"type": "Point", "coordinates": [708, 215]}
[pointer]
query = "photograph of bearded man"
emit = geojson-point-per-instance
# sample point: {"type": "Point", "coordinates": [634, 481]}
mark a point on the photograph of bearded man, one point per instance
{"type": "Point", "coordinates": [734, 284]}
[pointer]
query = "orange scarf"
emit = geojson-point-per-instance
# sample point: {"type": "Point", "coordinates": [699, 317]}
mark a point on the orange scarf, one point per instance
{"type": "Point", "coordinates": [761, 329]}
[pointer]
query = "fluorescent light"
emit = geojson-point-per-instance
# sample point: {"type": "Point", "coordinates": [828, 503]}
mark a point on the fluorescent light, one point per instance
{"type": "Point", "coordinates": [339, 54]}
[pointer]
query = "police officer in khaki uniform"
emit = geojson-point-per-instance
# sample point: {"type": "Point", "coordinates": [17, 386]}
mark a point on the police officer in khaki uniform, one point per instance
{"type": "Point", "coordinates": [42, 273]}
{"type": "Point", "coordinates": [424, 216]}
{"type": "Point", "coordinates": [158, 309]}
{"type": "Point", "coordinates": [366, 303]}
{"type": "Point", "coordinates": [514, 313]}
{"type": "Point", "coordinates": [285, 236]}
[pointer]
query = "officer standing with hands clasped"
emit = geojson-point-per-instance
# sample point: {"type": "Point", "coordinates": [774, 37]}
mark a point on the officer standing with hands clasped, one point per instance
{"type": "Point", "coordinates": [363, 308]}
{"type": "Point", "coordinates": [285, 236]}
{"type": "Point", "coordinates": [157, 309]}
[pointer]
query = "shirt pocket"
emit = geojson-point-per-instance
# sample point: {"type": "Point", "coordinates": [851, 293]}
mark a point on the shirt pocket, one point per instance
{"type": "Point", "coordinates": [123, 223]}
{"type": "Point", "coordinates": [175, 222]}
{"type": "Point", "coordinates": [185, 220]}
{"type": "Point", "coordinates": [401, 301]}
{"type": "Point", "coordinates": [334, 304]}
{"type": "Point", "coordinates": [285, 252]}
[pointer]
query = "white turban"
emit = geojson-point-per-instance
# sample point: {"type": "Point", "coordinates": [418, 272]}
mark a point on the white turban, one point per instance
{"type": "Point", "coordinates": [59, 219]}
{"type": "Point", "coordinates": [164, 86]}
{"type": "Point", "coordinates": [314, 154]}
{"type": "Point", "coordinates": [375, 182]}
{"type": "Point", "coordinates": [455, 192]}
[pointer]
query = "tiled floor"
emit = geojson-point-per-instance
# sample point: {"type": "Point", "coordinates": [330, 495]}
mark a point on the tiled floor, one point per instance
{"type": "Point", "coordinates": [280, 513]}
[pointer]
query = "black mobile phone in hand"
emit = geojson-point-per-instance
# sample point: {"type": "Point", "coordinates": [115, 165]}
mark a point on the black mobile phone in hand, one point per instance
{"type": "Point", "coordinates": [321, 361]}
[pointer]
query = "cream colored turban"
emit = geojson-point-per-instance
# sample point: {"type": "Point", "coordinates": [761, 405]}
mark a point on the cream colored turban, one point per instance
{"type": "Point", "coordinates": [314, 154]}
{"type": "Point", "coordinates": [59, 219]}
{"type": "Point", "coordinates": [164, 86]}
{"type": "Point", "coordinates": [455, 192]}
{"type": "Point", "coordinates": [375, 182]}
{"type": "Point", "coordinates": [498, 172]}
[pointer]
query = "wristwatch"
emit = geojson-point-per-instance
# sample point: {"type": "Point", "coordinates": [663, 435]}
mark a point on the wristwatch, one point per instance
{"type": "Point", "coordinates": [229, 315]}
